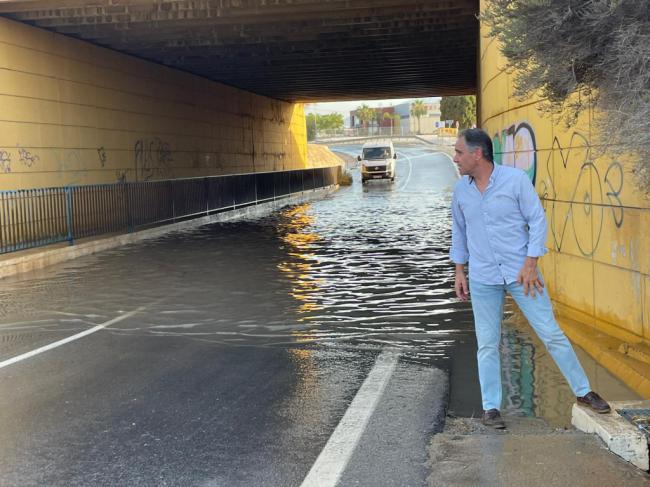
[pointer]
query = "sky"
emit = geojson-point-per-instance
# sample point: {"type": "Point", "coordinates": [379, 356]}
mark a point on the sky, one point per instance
{"type": "Point", "coordinates": [345, 107]}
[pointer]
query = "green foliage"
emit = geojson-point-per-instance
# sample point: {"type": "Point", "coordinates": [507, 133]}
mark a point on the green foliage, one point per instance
{"type": "Point", "coordinates": [460, 108]}
{"type": "Point", "coordinates": [578, 55]}
{"type": "Point", "coordinates": [315, 122]}
{"type": "Point", "coordinates": [365, 114]}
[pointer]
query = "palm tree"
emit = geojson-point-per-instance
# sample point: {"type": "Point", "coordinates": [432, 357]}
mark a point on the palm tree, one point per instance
{"type": "Point", "coordinates": [417, 110]}
{"type": "Point", "coordinates": [365, 114]}
{"type": "Point", "coordinates": [393, 118]}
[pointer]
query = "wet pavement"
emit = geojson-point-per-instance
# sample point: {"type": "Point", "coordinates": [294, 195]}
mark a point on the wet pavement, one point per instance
{"type": "Point", "coordinates": [228, 355]}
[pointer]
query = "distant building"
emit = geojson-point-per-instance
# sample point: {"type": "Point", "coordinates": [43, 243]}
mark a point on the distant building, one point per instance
{"type": "Point", "coordinates": [379, 120]}
{"type": "Point", "coordinates": [428, 123]}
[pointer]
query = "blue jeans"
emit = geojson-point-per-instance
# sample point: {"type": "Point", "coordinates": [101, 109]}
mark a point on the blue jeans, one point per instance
{"type": "Point", "coordinates": [487, 304]}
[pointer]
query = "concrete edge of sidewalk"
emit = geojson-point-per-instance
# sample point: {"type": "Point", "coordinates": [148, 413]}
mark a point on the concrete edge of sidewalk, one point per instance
{"type": "Point", "coordinates": [41, 257]}
{"type": "Point", "coordinates": [529, 452]}
{"type": "Point", "coordinates": [620, 436]}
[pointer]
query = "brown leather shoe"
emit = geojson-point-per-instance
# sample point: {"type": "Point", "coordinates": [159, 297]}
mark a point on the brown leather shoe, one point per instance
{"type": "Point", "coordinates": [493, 419]}
{"type": "Point", "coordinates": [595, 402]}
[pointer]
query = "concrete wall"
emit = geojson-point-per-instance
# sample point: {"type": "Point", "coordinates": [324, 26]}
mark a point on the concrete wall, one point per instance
{"type": "Point", "coordinates": [74, 113]}
{"type": "Point", "coordinates": [598, 269]}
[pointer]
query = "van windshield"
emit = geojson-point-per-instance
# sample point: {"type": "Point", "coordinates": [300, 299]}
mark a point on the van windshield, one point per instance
{"type": "Point", "coordinates": [376, 153]}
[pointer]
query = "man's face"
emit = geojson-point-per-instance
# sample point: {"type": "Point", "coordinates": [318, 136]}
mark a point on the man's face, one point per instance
{"type": "Point", "coordinates": [464, 159]}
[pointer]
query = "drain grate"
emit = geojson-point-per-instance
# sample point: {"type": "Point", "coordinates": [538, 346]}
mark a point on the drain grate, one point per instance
{"type": "Point", "coordinates": [638, 417]}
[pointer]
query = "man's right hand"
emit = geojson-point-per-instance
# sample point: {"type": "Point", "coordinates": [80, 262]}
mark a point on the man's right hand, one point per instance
{"type": "Point", "coordinates": [460, 286]}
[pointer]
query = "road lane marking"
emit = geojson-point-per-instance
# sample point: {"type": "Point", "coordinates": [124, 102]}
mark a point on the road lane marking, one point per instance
{"type": "Point", "coordinates": [46, 348]}
{"type": "Point", "coordinates": [451, 159]}
{"type": "Point", "coordinates": [331, 462]}
{"type": "Point", "coordinates": [409, 174]}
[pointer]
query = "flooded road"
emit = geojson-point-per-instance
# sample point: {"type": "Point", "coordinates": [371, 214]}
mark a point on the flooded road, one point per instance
{"type": "Point", "coordinates": [229, 355]}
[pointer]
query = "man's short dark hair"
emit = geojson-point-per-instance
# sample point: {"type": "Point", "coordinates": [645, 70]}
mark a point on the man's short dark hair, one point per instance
{"type": "Point", "coordinates": [478, 139]}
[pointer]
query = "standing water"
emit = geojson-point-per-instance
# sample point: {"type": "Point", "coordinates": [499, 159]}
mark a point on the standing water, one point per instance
{"type": "Point", "coordinates": [365, 268]}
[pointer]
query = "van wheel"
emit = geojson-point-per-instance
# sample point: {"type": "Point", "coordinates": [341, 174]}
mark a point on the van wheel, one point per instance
{"type": "Point", "coordinates": [392, 180]}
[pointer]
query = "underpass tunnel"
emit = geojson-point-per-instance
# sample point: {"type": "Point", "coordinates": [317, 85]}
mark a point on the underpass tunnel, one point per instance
{"type": "Point", "coordinates": [136, 91]}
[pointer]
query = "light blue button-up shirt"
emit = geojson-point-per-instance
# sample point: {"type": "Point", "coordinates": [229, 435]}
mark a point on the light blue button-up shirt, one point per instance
{"type": "Point", "coordinates": [496, 230]}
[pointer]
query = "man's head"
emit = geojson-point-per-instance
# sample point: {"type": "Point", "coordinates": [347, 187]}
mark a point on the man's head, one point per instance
{"type": "Point", "coordinates": [473, 151]}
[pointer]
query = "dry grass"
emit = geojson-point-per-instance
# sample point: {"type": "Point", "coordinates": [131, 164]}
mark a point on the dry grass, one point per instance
{"type": "Point", "coordinates": [597, 48]}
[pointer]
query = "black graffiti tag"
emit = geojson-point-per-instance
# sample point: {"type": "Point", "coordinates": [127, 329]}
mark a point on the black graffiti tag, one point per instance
{"type": "Point", "coordinates": [587, 198]}
{"type": "Point", "coordinates": [152, 158]}
{"type": "Point", "coordinates": [26, 157]}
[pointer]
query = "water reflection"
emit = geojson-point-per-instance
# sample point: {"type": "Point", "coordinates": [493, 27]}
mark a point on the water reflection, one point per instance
{"type": "Point", "coordinates": [372, 277]}
{"type": "Point", "coordinates": [532, 383]}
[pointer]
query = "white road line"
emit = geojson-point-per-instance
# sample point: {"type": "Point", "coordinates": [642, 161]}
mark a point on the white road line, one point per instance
{"type": "Point", "coordinates": [332, 461]}
{"type": "Point", "coordinates": [409, 174]}
{"type": "Point", "coordinates": [45, 348]}
{"type": "Point", "coordinates": [451, 159]}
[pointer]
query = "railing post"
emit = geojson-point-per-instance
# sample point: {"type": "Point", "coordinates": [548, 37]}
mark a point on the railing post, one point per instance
{"type": "Point", "coordinates": [127, 207]}
{"type": "Point", "coordinates": [206, 183]}
{"type": "Point", "coordinates": [255, 181]}
{"type": "Point", "coordinates": [68, 213]}
{"type": "Point", "coordinates": [171, 192]}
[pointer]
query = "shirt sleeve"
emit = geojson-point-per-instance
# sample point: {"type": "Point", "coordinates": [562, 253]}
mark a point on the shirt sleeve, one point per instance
{"type": "Point", "coordinates": [533, 213]}
{"type": "Point", "coordinates": [458, 253]}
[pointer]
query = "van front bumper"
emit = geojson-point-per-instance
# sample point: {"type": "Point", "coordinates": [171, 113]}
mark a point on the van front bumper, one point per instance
{"type": "Point", "coordinates": [369, 172]}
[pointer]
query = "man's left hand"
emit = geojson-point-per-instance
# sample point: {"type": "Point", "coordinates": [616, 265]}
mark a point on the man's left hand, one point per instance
{"type": "Point", "coordinates": [529, 277]}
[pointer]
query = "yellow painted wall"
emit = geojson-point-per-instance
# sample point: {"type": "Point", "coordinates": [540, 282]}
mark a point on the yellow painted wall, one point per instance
{"type": "Point", "coordinates": [74, 113]}
{"type": "Point", "coordinates": [598, 267]}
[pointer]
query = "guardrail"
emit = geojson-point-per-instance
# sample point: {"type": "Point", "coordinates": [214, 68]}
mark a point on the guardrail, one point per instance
{"type": "Point", "coordinates": [36, 217]}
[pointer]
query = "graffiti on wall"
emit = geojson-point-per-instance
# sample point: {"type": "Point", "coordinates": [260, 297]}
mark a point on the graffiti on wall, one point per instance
{"type": "Point", "coordinates": [595, 191]}
{"type": "Point", "coordinates": [152, 158]}
{"type": "Point", "coordinates": [515, 146]}
{"type": "Point", "coordinates": [26, 157]}
{"type": "Point", "coordinates": [593, 194]}
{"type": "Point", "coordinates": [101, 153]}
{"type": "Point", "coordinates": [5, 161]}
{"type": "Point", "coordinates": [121, 175]}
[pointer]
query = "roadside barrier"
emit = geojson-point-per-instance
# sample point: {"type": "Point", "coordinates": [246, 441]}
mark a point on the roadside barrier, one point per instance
{"type": "Point", "coordinates": [35, 217]}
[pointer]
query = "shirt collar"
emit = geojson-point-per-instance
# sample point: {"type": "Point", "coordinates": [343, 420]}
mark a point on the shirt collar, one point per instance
{"type": "Point", "coordinates": [492, 176]}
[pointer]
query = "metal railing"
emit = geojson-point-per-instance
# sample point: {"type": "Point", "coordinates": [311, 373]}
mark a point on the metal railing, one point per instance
{"type": "Point", "coordinates": [36, 217]}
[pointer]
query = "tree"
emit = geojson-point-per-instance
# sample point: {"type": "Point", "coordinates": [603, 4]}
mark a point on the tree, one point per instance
{"type": "Point", "coordinates": [583, 55]}
{"type": "Point", "coordinates": [331, 121]}
{"type": "Point", "coordinates": [365, 114]}
{"type": "Point", "coordinates": [418, 109]}
{"type": "Point", "coordinates": [315, 122]}
{"type": "Point", "coordinates": [395, 117]}
{"type": "Point", "coordinates": [460, 108]}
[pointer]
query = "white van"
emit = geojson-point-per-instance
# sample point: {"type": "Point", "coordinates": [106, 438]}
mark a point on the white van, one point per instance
{"type": "Point", "coordinates": [377, 160]}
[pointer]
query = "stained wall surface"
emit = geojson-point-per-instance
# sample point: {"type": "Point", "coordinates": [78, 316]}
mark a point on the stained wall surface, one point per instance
{"type": "Point", "coordinates": [598, 269]}
{"type": "Point", "coordinates": [74, 113]}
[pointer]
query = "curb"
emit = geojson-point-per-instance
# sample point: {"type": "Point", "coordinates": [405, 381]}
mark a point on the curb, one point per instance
{"type": "Point", "coordinates": [39, 258]}
{"type": "Point", "coordinates": [620, 436]}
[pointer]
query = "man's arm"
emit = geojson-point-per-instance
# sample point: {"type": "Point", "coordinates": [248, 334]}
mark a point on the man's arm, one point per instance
{"type": "Point", "coordinates": [529, 277]}
{"type": "Point", "coordinates": [459, 253]}
{"type": "Point", "coordinates": [460, 283]}
{"type": "Point", "coordinates": [532, 211]}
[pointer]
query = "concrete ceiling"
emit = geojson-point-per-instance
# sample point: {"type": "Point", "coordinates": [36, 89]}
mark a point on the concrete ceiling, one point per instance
{"type": "Point", "coordinates": [294, 50]}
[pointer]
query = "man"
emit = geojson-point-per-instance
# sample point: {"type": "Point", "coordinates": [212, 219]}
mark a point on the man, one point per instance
{"type": "Point", "coordinates": [499, 227]}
